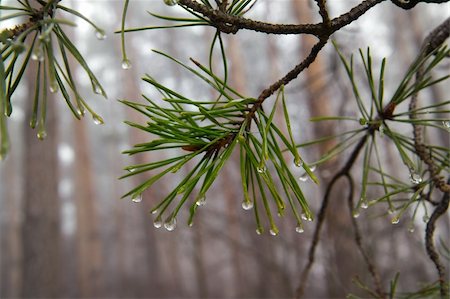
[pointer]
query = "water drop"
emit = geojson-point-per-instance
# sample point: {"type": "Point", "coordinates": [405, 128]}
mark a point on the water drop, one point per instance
{"type": "Point", "coordinates": [170, 224]}
{"type": "Point", "coordinates": [261, 169]}
{"type": "Point", "coordinates": [274, 231]}
{"type": "Point", "coordinates": [304, 177]}
{"type": "Point", "coordinates": [154, 212]}
{"type": "Point", "coordinates": [157, 223]}
{"type": "Point", "coordinates": [313, 168]}
{"type": "Point", "coordinates": [411, 227]}
{"type": "Point", "coordinates": [364, 203]}
{"type": "Point", "coordinates": [247, 205]}
{"type": "Point", "coordinates": [299, 228]}
{"type": "Point", "coordinates": [131, 169]}
{"type": "Point", "coordinates": [100, 34]}
{"type": "Point", "coordinates": [201, 201]}
{"type": "Point", "coordinates": [355, 213]}
{"type": "Point", "coordinates": [126, 64]}
{"type": "Point", "coordinates": [395, 220]}
{"type": "Point", "coordinates": [136, 197]}
{"type": "Point", "coordinates": [38, 53]}
{"type": "Point", "coordinates": [306, 217]}
{"type": "Point", "coordinates": [415, 178]}
{"type": "Point", "coordinates": [171, 2]}
{"type": "Point", "coordinates": [446, 124]}
{"type": "Point", "coordinates": [391, 211]}
{"type": "Point", "coordinates": [259, 231]}
{"type": "Point", "coordinates": [98, 89]}
{"type": "Point", "coordinates": [97, 119]}
{"type": "Point", "coordinates": [41, 134]}
{"type": "Point", "coordinates": [298, 162]}
{"type": "Point", "coordinates": [53, 87]}
{"type": "Point", "coordinates": [425, 218]}
{"type": "Point", "coordinates": [80, 112]}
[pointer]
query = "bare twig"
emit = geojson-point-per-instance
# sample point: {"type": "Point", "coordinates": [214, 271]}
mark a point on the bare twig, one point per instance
{"type": "Point", "coordinates": [344, 172]}
{"type": "Point", "coordinates": [358, 240]}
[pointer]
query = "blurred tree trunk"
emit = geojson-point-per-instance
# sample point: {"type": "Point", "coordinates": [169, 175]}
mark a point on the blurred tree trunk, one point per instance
{"type": "Point", "coordinates": [41, 237]}
{"type": "Point", "coordinates": [10, 221]}
{"type": "Point", "coordinates": [319, 102]}
{"type": "Point", "coordinates": [88, 241]}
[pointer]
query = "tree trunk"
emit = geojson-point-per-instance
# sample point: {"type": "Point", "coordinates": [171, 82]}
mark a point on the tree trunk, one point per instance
{"type": "Point", "coordinates": [41, 226]}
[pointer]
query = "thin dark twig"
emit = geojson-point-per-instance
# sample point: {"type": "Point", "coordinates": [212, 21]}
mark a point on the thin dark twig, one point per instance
{"type": "Point", "coordinates": [322, 214]}
{"type": "Point", "coordinates": [287, 78]}
{"type": "Point", "coordinates": [358, 240]}
{"type": "Point", "coordinates": [323, 11]}
{"type": "Point", "coordinates": [429, 243]}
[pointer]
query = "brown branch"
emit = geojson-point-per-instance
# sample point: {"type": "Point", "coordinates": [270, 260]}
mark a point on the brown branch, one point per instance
{"type": "Point", "coordinates": [408, 4]}
{"type": "Point", "coordinates": [231, 24]}
{"type": "Point", "coordinates": [323, 11]}
{"type": "Point", "coordinates": [287, 78]}
{"type": "Point", "coordinates": [429, 243]}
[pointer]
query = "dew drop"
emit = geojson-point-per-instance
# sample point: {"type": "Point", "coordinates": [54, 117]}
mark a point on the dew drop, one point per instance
{"type": "Point", "coordinates": [395, 220]}
{"type": "Point", "coordinates": [304, 177]}
{"type": "Point", "coordinates": [446, 124]}
{"type": "Point", "coordinates": [170, 224]}
{"type": "Point", "coordinates": [41, 134]}
{"type": "Point", "coordinates": [391, 211]}
{"type": "Point", "coordinates": [157, 223]}
{"type": "Point", "coordinates": [98, 89]}
{"type": "Point", "coordinates": [425, 218]}
{"type": "Point", "coordinates": [97, 119]}
{"type": "Point", "coordinates": [126, 64]}
{"type": "Point", "coordinates": [313, 168]}
{"type": "Point", "coordinates": [100, 34]}
{"type": "Point", "coordinates": [355, 213]}
{"type": "Point", "coordinates": [80, 112]}
{"type": "Point", "coordinates": [411, 227]}
{"type": "Point", "coordinates": [306, 217]}
{"type": "Point", "coordinates": [53, 87]}
{"type": "Point", "coordinates": [171, 2]}
{"type": "Point", "coordinates": [415, 178]}
{"type": "Point", "coordinates": [274, 231]}
{"type": "Point", "coordinates": [247, 205]}
{"type": "Point", "coordinates": [136, 197]}
{"type": "Point", "coordinates": [261, 169]}
{"type": "Point", "coordinates": [298, 162]}
{"type": "Point", "coordinates": [364, 203]}
{"type": "Point", "coordinates": [299, 229]}
{"type": "Point", "coordinates": [38, 54]}
{"type": "Point", "coordinates": [259, 231]}
{"type": "Point", "coordinates": [201, 201]}
{"type": "Point", "coordinates": [131, 169]}
{"type": "Point", "coordinates": [154, 212]}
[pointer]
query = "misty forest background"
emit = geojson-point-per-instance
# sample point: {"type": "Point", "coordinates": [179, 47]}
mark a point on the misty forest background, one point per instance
{"type": "Point", "coordinates": [96, 245]}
